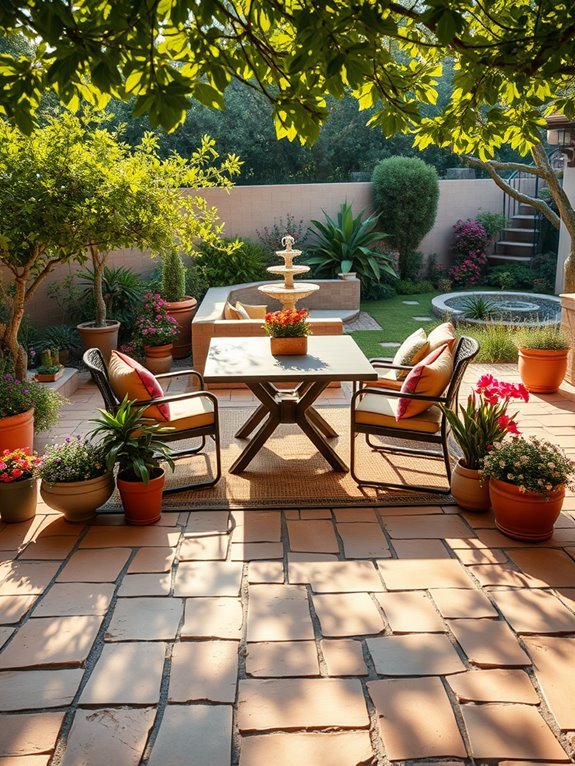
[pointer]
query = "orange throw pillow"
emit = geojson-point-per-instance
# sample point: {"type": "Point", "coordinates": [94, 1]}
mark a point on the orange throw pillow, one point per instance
{"type": "Point", "coordinates": [429, 377]}
{"type": "Point", "coordinates": [128, 378]}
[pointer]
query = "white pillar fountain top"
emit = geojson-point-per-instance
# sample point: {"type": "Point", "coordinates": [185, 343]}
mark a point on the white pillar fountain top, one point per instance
{"type": "Point", "coordinates": [289, 293]}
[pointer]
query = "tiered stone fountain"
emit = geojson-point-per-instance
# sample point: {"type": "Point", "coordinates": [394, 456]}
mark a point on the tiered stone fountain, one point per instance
{"type": "Point", "coordinates": [289, 293]}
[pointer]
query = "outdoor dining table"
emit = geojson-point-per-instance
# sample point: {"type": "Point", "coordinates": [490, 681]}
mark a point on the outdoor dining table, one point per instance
{"type": "Point", "coordinates": [329, 358]}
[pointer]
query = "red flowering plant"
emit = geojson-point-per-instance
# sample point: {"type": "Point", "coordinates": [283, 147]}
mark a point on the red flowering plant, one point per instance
{"type": "Point", "coordinates": [287, 323]}
{"type": "Point", "coordinates": [484, 420]}
{"type": "Point", "coordinates": [154, 326]}
{"type": "Point", "coordinates": [18, 465]}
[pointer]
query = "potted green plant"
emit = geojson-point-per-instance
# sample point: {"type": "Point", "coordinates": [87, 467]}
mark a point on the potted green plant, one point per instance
{"type": "Point", "coordinates": [542, 359]}
{"type": "Point", "coordinates": [527, 482]}
{"type": "Point", "coordinates": [49, 368]}
{"type": "Point", "coordinates": [476, 428]}
{"type": "Point", "coordinates": [25, 407]}
{"type": "Point", "coordinates": [288, 330]}
{"type": "Point", "coordinates": [132, 442]}
{"type": "Point", "coordinates": [156, 331]}
{"type": "Point", "coordinates": [18, 494]}
{"type": "Point", "coordinates": [179, 305]}
{"type": "Point", "coordinates": [75, 479]}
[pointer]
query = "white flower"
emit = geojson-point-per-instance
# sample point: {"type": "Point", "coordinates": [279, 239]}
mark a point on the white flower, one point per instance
{"type": "Point", "coordinates": [510, 476]}
{"type": "Point", "coordinates": [550, 465]}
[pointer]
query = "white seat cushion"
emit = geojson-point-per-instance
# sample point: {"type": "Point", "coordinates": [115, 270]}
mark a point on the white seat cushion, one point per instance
{"type": "Point", "coordinates": [191, 413]}
{"type": "Point", "coordinates": [376, 410]}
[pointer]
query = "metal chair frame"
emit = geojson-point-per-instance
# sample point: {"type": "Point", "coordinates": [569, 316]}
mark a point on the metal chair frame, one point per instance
{"type": "Point", "coordinates": [94, 361]}
{"type": "Point", "coordinates": [465, 351]}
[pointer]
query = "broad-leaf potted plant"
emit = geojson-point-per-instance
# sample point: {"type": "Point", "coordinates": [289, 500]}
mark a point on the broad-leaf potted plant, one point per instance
{"type": "Point", "coordinates": [542, 359]}
{"type": "Point", "coordinates": [181, 306]}
{"type": "Point", "coordinates": [75, 479]}
{"type": "Point", "coordinates": [18, 492]}
{"type": "Point", "coordinates": [133, 442]}
{"type": "Point", "coordinates": [156, 330]}
{"type": "Point", "coordinates": [527, 481]}
{"type": "Point", "coordinates": [25, 407]}
{"type": "Point", "coordinates": [288, 330]}
{"type": "Point", "coordinates": [476, 428]}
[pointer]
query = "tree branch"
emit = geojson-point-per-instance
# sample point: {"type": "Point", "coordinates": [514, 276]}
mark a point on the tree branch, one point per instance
{"type": "Point", "coordinates": [517, 167]}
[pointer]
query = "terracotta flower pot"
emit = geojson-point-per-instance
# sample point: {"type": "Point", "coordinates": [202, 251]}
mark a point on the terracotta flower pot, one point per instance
{"type": "Point", "coordinates": [524, 515]}
{"type": "Point", "coordinates": [17, 431]}
{"type": "Point", "coordinates": [183, 312]}
{"type": "Point", "coordinates": [289, 346]}
{"type": "Point", "coordinates": [43, 377]}
{"type": "Point", "coordinates": [142, 502]}
{"type": "Point", "coordinates": [468, 490]}
{"type": "Point", "coordinates": [103, 338]}
{"type": "Point", "coordinates": [78, 500]}
{"type": "Point", "coordinates": [18, 500]}
{"type": "Point", "coordinates": [158, 359]}
{"type": "Point", "coordinates": [542, 372]}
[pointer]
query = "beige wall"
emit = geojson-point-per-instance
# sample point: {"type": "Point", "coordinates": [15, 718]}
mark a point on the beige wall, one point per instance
{"type": "Point", "coordinates": [246, 209]}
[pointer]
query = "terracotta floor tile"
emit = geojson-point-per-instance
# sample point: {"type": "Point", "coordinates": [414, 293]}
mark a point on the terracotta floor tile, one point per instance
{"type": "Point", "coordinates": [488, 643]}
{"type": "Point", "coordinates": [212, 618]}
{"type": "Point", "coordinates": [117, 678]}
{"type": "Point", "coordinates": [214, 548]}
{"type": "Point", "coordinates": [532, 611]}
{"type": "Point", "coordinates": [336, 576]}
{"type": "Point", "coordinates": [494, 686]}
{"type": "Point", "coordinates": [439, 526]}
{"type": "Point", "coordinates": [347, 614]}
{"type": "Point", "coordinates": [423, 654]}
{"type": "Point", "coordinates": [48, 549]}
{"type": "Point", "coordinates": [418, 574]}
{"type": "Point", "coordinates": [29, 689]}
{"type": "Point", "coordinates": [291, 513]}
{"type": "Point", "coordinates": [456, 602]}
{"type": "Point", "coordinates": [278, 659]}
{"type": "Point", "coordinates": [13, 608]}
{"type": "Point", "coordinates": [145, 619]}
{"type": "Point", "coordinates": [257, 526]}
{"type": "Point", "coordinates": [567, 596]}
{"type": "Point", "coordinates": [411, 510]}
{"type": "Point", "coordinates": [312, 536]}
{"type": "Point", "coordinates": [26, 578]}
{"type": "Point", "coordinates": [466, 543]}
{"type": "Point", "coordinates": [278, 613]}
{"type": "Point", "coordinates": [420, 549]}
{"type": "Point", "coordinates": [478, 520]}
{"type": "Point", "coordinates": [113, 736]}
{"type": "Point", "coordinates": [255, 551]}
{"type": "Point", "coordinates": [301, 703]}
{"type": "Point", "coordinates": [553, 567]}
{"type": "Point", "coordinates": [26, 760]}
{"type": "Point", "coordinates": [266, 571]}
{"type": "Point", "coordinates": [208, 578]}
{"type": "Point", "coordinates": [343, 657]}
{"type": "Point", "coordinates": [416, 719]}
{"type": "Point", "coordinates": [315, 513]}
{"type": "Point", "coordinates": [5, 634]}
{"type": "Point", "coordinates": [14, 536]}
{"type": "Point", "coordinates": [29, 734]}
{"type": "Point", "coordinates": [494, 539]}
{"type": "Point", "coordinates": [485, 556]}
{"type": "Point", "coordinates": [510, 731]}
{"type": "Point", "coordinates": [70, 598]}
{"type": "Point", "coordinates": [505, 576]}
{"type": "Point", "coordinates": [51, 641]}
{"type": "Point", "coordinates": [410, 612]}
{"type": "Point", "coordinates": [208, 523]}
{"type": "Point", "coordinates": [94, 565]}
{"type": "Point", "coordinates": [152, 584]}
{"type": "Point", "coordinates": [204, 730]}
{"type": "Point", "coordinates": [130, 537]}
{"type": "Point", "coordinates": [152, 560]}
{"type": "Point", "coordinates": [363, 540]}
{"type": "Point", "coordinates": [354, 514]}
{"type": "Point", "coordinates": [553, 662]}
{"type": "Point", "coordinates": [299, 556]}
{"type": "Point", "coordinates": [311, 749]}
{"type": "Point", "coordinates": [204, 671]}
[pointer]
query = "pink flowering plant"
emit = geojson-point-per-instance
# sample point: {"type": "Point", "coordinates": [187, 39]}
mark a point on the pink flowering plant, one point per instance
{"type": "Point", "coordinates": [532, 465]}
{"type": "Point", "coordinates": [154, 326]}
{"type": "Point", "coordinates": [484, 421]}
{"type": "Point", "coordinates": [75, 459]}
{"type": "Point", "coordinates": [18, 465]}
{"type": "Point", "coordinates": [468, 247]}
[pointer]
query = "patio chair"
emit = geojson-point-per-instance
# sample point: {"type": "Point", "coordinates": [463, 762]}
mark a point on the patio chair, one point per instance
{"type": "Point", "coordinates": [193, 414]}
{"type": "Point", "coordinates": [373, 413]}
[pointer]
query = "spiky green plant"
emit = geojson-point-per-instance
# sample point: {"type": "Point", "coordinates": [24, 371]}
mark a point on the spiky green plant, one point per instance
{"type": "Point", "coordinates": [543, 338]}
{"type": "Point", "coordinates": [173, 287]}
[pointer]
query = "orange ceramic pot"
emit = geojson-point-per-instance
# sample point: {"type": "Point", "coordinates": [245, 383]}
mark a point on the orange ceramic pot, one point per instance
{"type": "Point", "coordinates": [524, 515]}
{"type": "Point", "coordinates": [468, 490]}
{"type": "Point", "coordinates": [542, 372]}
{"type": "Point", "coordinates": [103, 338]}
{"type": "Point", "coordinates": [289, 346]}
{"type": "Point", "coordinates": [183, 312]}
{"type": "Point", "coordinates": [17, 431]}
{"type": "Point", "coordinates": [142, 502]}
{"type": "Point", "coordinates": [158, 359]}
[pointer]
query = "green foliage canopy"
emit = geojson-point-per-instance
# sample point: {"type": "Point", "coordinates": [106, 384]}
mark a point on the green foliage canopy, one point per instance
{"type": "Point", "coordinates": [513, 60]}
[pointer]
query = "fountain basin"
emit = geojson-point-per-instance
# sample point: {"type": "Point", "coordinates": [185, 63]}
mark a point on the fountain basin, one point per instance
{"type": "Point", "coordinates": [288, 296]}
{"type": "Point", "coordinates": [509, 308]}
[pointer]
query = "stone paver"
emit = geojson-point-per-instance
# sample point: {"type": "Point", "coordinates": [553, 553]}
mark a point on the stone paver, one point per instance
{"type": "Point", "coordinates": [214, 548]}
{"type": "Point", "coordinates": [202, 730]}
{"type": "Point", "coordinates": [439, 526]}
{"type": "Point", "coordinates": [416, 719]}
{"type": "Point", "coordinates": [256, 551]}
{"type": "Point", "coordinates": [410, 612]}
{"type": "Point", "coordinates": [407, 574]}
{"type": "Point", "coordinates": [502, 575]}
{"type": "Point", "coordinates": [418, 655]}
{"type": "Point", "coordinates": [26, 578]}
{"type": "Point", "coordinates": [455, 602]}
{"type": "Point", "coordinates": [263, 527]}
{"type": "Point", "coordinates": [278, 613]}
{"type": "Point", "coordinates": [29, 689]}
{"type": "Point", "coordinates": [311, 749]}
{"type": "Point", "coordinates": [29, 734]}
{"type": "Point", "coordinates": [265, 571]}
{"type": "Point", "coordinates": [207, 523]}
{"type": "Point", "coordinates": [363, 541]}
{"type": "Point", "coordinates": [343, 657]}
{"type": "Point", "coordinates": [94, 565]}
{"type": "Point", "coordinates": [347, 614]}
{"type": "Point", "coordinates": [534, 611]}
{"type": "Point", "coordinates": [553, 662]}
{"type": "Point", "coordinates": [281, 659]}
{"type": "Point", "coordinates": [72, 598]}
{"type": "Point", "coordinates": [145, 619]}
{"type": "Point", "coordinates": [312, 536]}
{"type": "Point", "coordinates": [494, 686]}
{"type": "Point", "coordinates": [153, 584]}
{"type": "Point", "coordinates": [129, 537]}
{"type": "Point", "coordinates": [208, 578]}
{"type": "Point", "coordinates": [212, 618]}
{"type": "Point", "coordinates": [13, 608]}
{"type": "Point", "coordinates": [48, 549]}
{"type": "Point", "coordinates": [553, 567]}
{"type": "Point", "coordinates": [51, 641]}
{"type": "Point", "coordinates": [336, 576]}
{"type": "Point", "coordinates": [152, 560]}
{"type": "Point", "coordinates": [488, 643]}
{"type": "Point", "coordinates": [204, 671]}
{"type": "Point", "coordinates": [420, 549]}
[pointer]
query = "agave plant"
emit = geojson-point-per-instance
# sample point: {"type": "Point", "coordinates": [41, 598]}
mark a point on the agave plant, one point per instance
{"type": "Point", "coordinates": [478, 307]}
{"type": "Point", "coordinates": [346, 245]}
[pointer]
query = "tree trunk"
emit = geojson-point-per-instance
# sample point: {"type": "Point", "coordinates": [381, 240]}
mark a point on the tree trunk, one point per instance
{"type": "Point", "coordinates": [569, 269]}
{"type": "Point", "coordinates": [10, 335]}
{"type": "Point", "coordinates": [98, 263]}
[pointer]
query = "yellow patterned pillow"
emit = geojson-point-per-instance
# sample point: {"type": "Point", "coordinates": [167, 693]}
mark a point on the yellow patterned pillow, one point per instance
{"type": "Point", "coordinates": [411, 351]}
{"type": "Point", "coordinates": [254, 312]}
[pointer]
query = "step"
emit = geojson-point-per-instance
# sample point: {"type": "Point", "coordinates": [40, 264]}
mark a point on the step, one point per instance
{"type": "Point", "coordinates": [523, 221]}
{"type": "Point", "coordinates": [501, 258]}
{"type": "Point", "coordinates": [519, 234]}
{"type": "Point", "coordinates": [525, 209]}
{"type": "Point", "coordinates": [509, 247]}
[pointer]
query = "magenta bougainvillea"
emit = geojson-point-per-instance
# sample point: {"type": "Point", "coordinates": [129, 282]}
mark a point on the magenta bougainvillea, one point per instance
{"type": "Point", "coordinates": [468, 248]}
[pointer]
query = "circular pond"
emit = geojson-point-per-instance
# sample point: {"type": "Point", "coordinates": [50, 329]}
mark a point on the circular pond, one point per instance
{"type": "Point", "coordinates": [479, 307]}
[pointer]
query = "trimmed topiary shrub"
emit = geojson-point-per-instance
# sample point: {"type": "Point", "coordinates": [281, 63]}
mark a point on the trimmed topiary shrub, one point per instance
{"type": "Point", "coordinates": [405, 192]}
{"type": "Point", "coordinates": [173, 286]}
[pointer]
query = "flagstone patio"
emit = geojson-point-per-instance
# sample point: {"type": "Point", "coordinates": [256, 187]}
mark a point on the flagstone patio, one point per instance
{"type": "Point", "coordinates": [328, 637]}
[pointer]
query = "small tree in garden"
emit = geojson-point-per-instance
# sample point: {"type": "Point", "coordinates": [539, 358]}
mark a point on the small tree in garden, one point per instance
{"type": "Point", "coordinates": [405, 192]}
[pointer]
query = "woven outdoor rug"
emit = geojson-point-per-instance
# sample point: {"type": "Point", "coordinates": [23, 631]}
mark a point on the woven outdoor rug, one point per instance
{"type": "Point", "coordinates": [288, 472]}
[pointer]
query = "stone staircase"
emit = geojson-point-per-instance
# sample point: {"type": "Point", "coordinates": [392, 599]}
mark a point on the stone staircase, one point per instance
{"type": "Point", "coordinates": [518, 241]}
